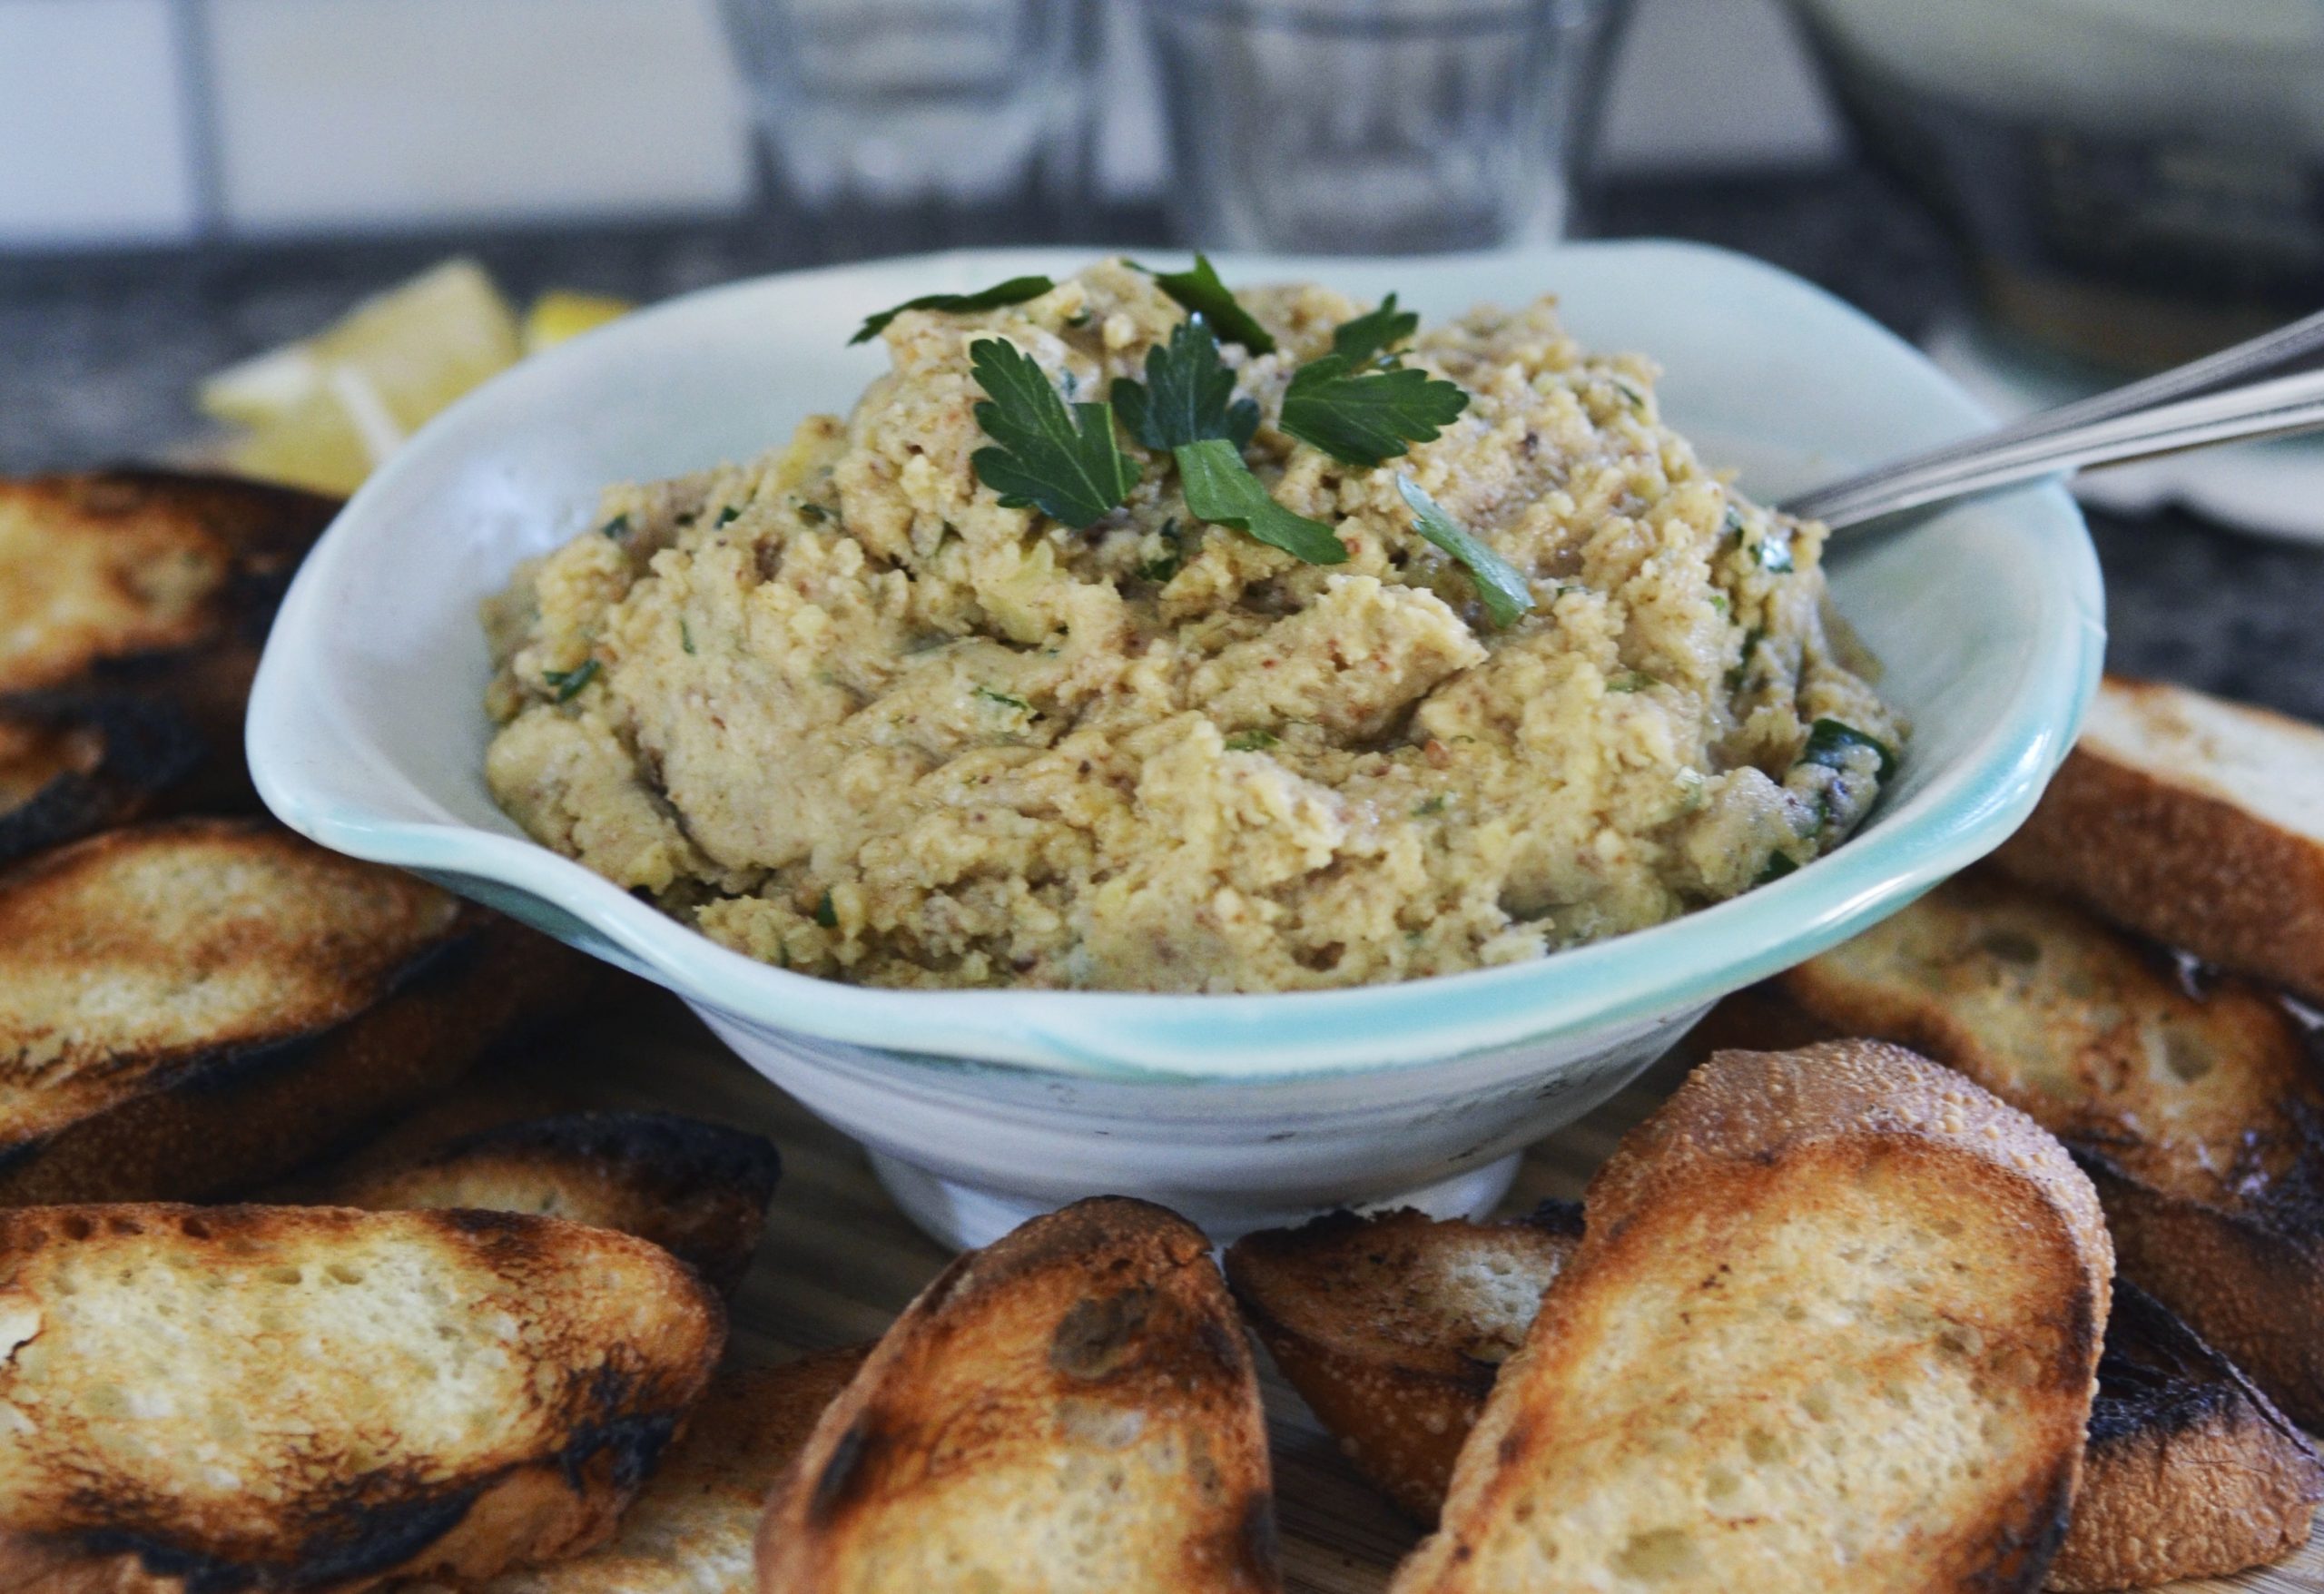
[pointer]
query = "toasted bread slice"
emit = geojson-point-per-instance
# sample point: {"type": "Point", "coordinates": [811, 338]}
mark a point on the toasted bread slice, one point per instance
{"type": "Point", "coordinates": [196, 1006]}
{"type": "Point", "coordinates": [310, 1398]}
{"type": "Point", "coordinates": [155, 583]}
{"type": "Point", "coordinates": [698, 1190]}
{"type": "Point", "coordinates": [71, 765]}
{"type": "Point", "coordinates": [2196, 822]}
{"type": "Point", "coordinates": [2190, 1472]}
{"type": "Point", "coordinates": [1392, 1327]}
{"type": "Point", "coordinates": [692, 1529]}
{"type": "Point", "coordinates": [2197, 1111]}
{"type": "Point", "coordinates": [1834, 1326]}
{"type": "Point", "coordinates": [1072, 1408]}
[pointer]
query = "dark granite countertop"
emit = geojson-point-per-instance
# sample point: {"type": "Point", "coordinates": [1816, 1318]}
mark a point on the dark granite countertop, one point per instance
{"type": "Point", "coordinates": [98, 359]}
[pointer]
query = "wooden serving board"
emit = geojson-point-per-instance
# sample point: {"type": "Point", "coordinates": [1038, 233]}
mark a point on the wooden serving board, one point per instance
{"type": "Point", "coordinates": [841, 1260]}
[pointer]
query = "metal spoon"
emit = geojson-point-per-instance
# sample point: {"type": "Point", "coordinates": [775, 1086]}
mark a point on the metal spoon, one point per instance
{"type": "Point", "coordinates": [2271, 386]}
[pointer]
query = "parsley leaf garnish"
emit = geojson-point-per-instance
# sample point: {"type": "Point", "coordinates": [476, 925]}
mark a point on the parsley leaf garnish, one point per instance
{"type": "Point", "coordinates": [1221, 489]}
{"type": "Point", "coordinates": [1016, 291]}
{"type": "Point", "coordinates": [1188, 394]}
{"type": "Point", "coordinates": [1374, 335]}
{"type": "Point", "coordinates": [1365, 419]}
{"type": "Point", "coordinates": [1202, 294]}
{"type": "Point", "coordinates": [1004, 699]}
{"type": "Point", "coordinates": [1064, 464]}
{"type": "Point", "coordinates": [566, 683]}
{"type": "Point", "coordinates": [826, 912]}
{"type": "Point", "coordinates": [1506, 595]}
{"type": "Point", "coordinates": [1252, 741]}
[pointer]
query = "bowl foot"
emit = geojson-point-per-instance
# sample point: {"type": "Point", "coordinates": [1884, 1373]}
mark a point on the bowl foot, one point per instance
{"type": "Point", "coordinates": [963, 1216]}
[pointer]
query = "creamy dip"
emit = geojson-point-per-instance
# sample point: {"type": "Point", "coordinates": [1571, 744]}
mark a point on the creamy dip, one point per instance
{"type": "Point", "coordinates": [846, 712]}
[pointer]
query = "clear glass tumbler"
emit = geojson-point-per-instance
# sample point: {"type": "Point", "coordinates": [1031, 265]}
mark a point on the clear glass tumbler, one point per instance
{"type": "Point", "coordinates": [1377, 126]}
{"type": "Point", "coordinates": [910, 106]}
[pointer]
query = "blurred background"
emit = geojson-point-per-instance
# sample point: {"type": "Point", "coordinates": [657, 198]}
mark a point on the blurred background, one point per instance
{"type": "Point", "coordinates": [202, 201]}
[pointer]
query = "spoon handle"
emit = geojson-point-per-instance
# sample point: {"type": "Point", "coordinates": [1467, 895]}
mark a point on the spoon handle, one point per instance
{"type": "Point", "coordinates": [2272, 386]}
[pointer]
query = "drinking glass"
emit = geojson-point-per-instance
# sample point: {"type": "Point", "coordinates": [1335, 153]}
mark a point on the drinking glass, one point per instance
{"type": "Point", "coordinates": [911, 111]}
{"type": "Point", "coordinates": [1377, 126]}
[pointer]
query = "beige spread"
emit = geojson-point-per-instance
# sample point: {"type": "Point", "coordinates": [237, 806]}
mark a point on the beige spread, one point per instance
{"type": "Point", "coordinates": [847, 714]}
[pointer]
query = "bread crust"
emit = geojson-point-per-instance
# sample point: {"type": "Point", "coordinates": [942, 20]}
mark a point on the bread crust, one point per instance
{"type": "Point", "coordinates": [1097, 1338]}
{"type": "Point", "coordinates": [1391, 1369]}
{"type": "Point", "coordinates": [615, 1395]}
{"type": "Point", "coordinates": [699, 1190]}
{"type": "Point", "coordinates": [2189, 1472]}
{"type": "Point", "coordinates": [692, 1527]}
{"type": "Point", "coordinates": [180, 1119]}
{"type": "Point", "coordinates": [72, 763]}
{"type": "Point", "coordinates": [190, 568]}
{"type": "Point", "coordinates": [2213, 1188]}
{"type": "Point", "coordinates": [1747, 1126]}
{"type": "Point", "coordinates": [2149, 847]}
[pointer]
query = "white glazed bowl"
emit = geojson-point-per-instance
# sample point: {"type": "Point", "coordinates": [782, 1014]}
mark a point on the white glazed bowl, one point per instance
{"type": "Point", "coordinates": [366, 732]}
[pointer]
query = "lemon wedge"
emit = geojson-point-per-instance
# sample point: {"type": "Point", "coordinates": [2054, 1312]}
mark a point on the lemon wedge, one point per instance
{"type": "Point", "coordinates": [323, 411]}
{"type": "Point", "coordinates": [560, 314]}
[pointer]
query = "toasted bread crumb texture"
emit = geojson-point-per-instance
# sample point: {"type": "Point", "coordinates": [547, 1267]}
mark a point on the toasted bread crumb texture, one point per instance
{"type": "Point", "coordinates": [1391, 1327]}
{"type": "Point", "coordinates": [171, 940]}
{"type": "Point", "coordinates": [2084, 1028]}
{"type": "Point", "coordinates": [1071, 1409]}
{"type": "Point", "coordinates": [1833, 1327]}
{"type": "Point", "coordinates": [259, 1389]}
{"type": "Point", "coordinates": [2197, 821]}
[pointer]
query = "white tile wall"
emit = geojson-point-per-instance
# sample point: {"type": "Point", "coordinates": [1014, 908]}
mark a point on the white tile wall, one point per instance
{"type": "Point", "coordinates": [92, 124]}
{"type": "Point", "coordinates": [340, 115]}
{"type": "Point", "coordinates": [362, 113]}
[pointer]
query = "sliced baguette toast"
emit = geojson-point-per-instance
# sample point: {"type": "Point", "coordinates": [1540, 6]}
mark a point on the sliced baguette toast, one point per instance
{"type": "Point", "coordinates": [1834, 1325]}
{"type": "Point", "coordinates": [2197, 1112]}
{"type": "Point", "coordinates": [157, 584]}
{"type": "Point", "coordinates": [2187, 1471]}
{"type": "Point", "coordinates": [1393, 1326]}
{"type": "Point", "coordinates": [196, 1006]}
{"type": "Point", "coordinates": [692, 1529]}
{"type": "Point", "coordinates": [2190, 1472]}
{"type": "Point", "coordinates": [1072, 1408]}
{"type": "Point", "coordinates": [74, 764]}
{"type": "Point", "coordinates": [699, 1190]}
{"type": "Point", "coordinates": [2197, 821]}
{"type": "Point", "coordinates": [206, 1399]}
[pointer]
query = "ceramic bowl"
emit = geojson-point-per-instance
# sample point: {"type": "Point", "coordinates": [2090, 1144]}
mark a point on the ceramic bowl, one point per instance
{"type": "Point", "coordinates": [366, 732]}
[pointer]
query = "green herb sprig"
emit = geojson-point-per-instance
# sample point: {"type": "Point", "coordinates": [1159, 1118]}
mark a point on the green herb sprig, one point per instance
{"type": "Point", "coordinates": [1369, 418]}
{"type": "Point", "coordinates": [1507, 597]}
{"type": "Point", "coordinates": [1220, 488]}
{"type": "Point", "coordinates": [1187, 405]}
{"type": "Point", "coordinates": [1064, 464]}
{"type": "Point", "coordinates": [1201, 292]}
{"type": "Point", "coordinates": [1374, 335]}
{"type": "Point", "coordinates": [1016, 291]}
{"type": "Point", "coordinates": [1188, 394]}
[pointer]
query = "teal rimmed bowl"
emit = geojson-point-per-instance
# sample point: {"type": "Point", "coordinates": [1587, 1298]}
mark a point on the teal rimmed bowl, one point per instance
{"type": "Point", "coordinates": [366, 732]}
